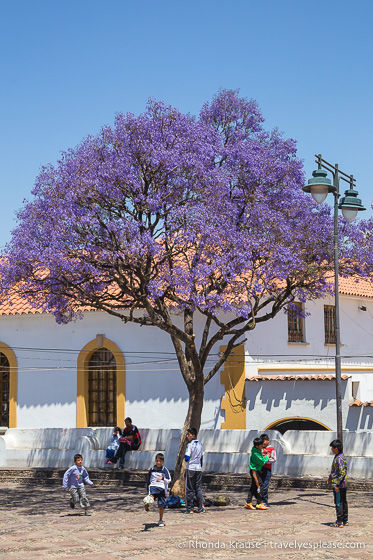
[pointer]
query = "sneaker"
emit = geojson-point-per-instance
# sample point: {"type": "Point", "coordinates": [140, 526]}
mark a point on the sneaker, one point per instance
{"type": "Point", "coordinates": [249, 506]}
{"type": "Point", "coordinates": [201, 510]}
{"type": "Point", "coordinates": [72, 505]}
{"type": "Point", "coordinates": [108, 463]}
{"type": "Point", "coordinates": [87, 512]}
{"type": "Point", "coordinates": [261, 506]}
{"type": "Point", "coordinates": [336, 524]}
{"type": "Point", "coordinates": [161, 523]}
{"type": "Point", "coordinates": [345, 523]}
{"type": "Point", "coordinates": [147, 507]}
{"type": "Point", "coordinates": [187, 511]}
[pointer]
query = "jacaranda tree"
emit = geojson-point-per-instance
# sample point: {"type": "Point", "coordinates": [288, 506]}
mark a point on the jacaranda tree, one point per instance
{"type": "Point", "coordinates": [166, 214]}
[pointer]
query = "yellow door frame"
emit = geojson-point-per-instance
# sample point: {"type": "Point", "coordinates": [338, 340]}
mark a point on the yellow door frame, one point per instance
{"type": "Point", "coordinates": [13, 383]}
{"type": "Point", "coordinates": [82, 379]}
{"type": "Point", "coordinates": [273, 425]}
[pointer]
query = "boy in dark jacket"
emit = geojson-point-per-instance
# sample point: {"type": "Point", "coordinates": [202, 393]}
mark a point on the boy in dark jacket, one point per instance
{"type": "Point", "coordinates": [157, 484]}
{"type": "Point", "coordinates": [337, 479]}
{"type": "Point", "coordinates": [256, 463]}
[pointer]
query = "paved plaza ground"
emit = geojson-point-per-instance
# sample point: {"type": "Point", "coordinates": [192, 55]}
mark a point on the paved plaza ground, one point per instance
{"type": "Point", "coordinates": [36, 522]}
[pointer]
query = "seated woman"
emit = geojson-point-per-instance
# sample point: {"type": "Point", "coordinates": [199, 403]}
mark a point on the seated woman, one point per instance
{"type": "Point", "coordinates": [113, 446]}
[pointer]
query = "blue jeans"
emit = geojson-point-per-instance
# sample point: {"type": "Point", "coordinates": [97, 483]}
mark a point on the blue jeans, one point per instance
{"type": "Point", "coordinates": [266, 477]}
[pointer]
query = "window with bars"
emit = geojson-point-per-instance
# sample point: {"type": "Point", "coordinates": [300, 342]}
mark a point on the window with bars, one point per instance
{"type": "Point", "coordinates": [102, 389]}
{"type": "Point", "coordinates": [329, 323]}
{"type": "Point", "coordinates": [4, 389]}
{"type": "Point", "coordinates": [295, 323]}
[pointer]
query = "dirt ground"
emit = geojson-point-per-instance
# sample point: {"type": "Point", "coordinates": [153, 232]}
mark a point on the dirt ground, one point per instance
{"type": "Point", "coordinates": [37, 523]}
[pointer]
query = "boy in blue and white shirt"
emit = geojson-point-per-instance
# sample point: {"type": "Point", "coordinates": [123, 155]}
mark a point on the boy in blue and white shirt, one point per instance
{"type": "Point", "coordinates": [157, 485]}
{"type": "Point", "coordinates": [74, 479]}
{"type": "Point", "coordinates": [193, 475]}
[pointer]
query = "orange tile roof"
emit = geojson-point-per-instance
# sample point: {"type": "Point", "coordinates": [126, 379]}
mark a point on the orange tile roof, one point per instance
{"type": "Point", "coordinates": [296, 377]}
{"type": "Point", "coordinates": [362, 288]}
{"type": "Point", "coordinates": [18, 306]}
{"type": "Point", "coordinates": [347, 286]}
{"type": "Point", "coordinates": [359, 403]}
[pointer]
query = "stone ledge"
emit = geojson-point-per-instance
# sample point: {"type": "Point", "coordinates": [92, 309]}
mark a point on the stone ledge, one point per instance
{"type": "Point", "coordinates": [136, 478]}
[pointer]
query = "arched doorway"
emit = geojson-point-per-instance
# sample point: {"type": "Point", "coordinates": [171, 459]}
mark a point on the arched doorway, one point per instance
{"type": "Point", "coordinates": [102, 389]}
{"type": "Point", "coordinates": [297, 423]}
{"type": "Point", "coordinates": [100, 385]}
{"type": "Point", "coordinates": [4, 390]}
{"type": "Point", "coordinates": [8, 387]}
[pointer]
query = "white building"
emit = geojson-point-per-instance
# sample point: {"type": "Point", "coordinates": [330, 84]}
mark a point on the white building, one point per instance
{"type": "Point", "coordinates": [98, 370]}
{"type": "Point", "coordinates": [270, 380]}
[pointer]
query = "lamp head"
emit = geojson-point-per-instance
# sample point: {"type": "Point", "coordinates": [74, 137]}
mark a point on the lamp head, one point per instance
{"type": "Point", "coordinates": [319, 186]}
{"type": "Point", "coordinates": [350, 205]}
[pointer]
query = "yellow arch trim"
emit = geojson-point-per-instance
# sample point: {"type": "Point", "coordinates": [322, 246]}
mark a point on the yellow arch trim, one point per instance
{"type": "Point", "coordinates": [82, 380]}
{"type": "Point", "coordinates": [13, 383]}
{"type": "Point", "coordinates": [273, 425]}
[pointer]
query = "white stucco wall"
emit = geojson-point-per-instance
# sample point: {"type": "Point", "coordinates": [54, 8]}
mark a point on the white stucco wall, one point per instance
{"type": "Point", "coordinates": [156, 395]}
{"type": "Point", "coordinates": [268, 352]}
{"type": "Point", "coordinates": [268, 342]}
{"type": "Point", "coordinates": [270, 401]}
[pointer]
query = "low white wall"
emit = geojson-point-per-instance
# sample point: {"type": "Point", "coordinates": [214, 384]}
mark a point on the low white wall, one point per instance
{"type": "Point", "coordinates": [357, 444]}
{"type": "Point", "coordinates": [298, 453]}
{"type": "Point", "coordinates": [52, 447]}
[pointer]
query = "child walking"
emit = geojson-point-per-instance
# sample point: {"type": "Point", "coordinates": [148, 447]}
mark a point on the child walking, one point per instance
{"type": "Point", "coordinates": [157, 484]}
{"type": "Point", "coordinates": [193, 473]}
{"type": "Point", "coordinates": [74, 479]}
{"type": "Point", "coordinates": [337, 479]}
{"type": "Point", "coordinates": [256, 463]}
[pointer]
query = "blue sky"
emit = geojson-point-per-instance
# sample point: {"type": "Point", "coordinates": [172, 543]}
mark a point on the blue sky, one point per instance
{"type": "Point", "coordinates": [67, 67]}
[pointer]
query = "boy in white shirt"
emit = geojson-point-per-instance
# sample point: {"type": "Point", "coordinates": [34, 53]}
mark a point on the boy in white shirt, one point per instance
{"type": "Point", "coordinates": [193, 475]}
{"type": "Point", "coordinates": [157, 484]}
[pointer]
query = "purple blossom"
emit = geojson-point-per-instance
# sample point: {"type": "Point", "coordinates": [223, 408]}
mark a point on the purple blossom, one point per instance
{"type": "Point", "coordinates": [167, 212]}
{"type": "Point", "coordinates": [203, 213]}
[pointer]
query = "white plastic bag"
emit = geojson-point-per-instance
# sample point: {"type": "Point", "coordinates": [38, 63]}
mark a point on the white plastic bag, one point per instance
{"type": "Point", "coordinates": [148, 500]}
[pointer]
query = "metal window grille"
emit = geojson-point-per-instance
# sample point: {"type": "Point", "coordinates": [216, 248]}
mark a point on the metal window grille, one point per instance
{"type": "Point", "coordinates": [329, 322]}
{"type": "Point", "coordinates": [102, 389]}
{"type": "Point", "coordinates": [295, 324]}
{"type": "Point", "coordinates": [4, 389]}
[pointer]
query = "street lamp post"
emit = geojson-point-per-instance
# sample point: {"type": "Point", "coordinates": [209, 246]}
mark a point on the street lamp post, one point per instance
{"type": "Point", "coordinates": [319, 187]}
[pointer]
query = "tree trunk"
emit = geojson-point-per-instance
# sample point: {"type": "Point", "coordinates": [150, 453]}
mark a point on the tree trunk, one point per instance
{"type": "Point", "coordinates": [192, 420]}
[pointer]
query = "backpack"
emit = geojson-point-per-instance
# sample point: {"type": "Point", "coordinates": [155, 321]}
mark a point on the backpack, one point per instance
{"type": "Point", "coordinates": [174, 502]}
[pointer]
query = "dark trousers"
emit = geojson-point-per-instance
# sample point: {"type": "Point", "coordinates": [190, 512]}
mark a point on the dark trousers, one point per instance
{"type": "Point", "coordinates": [121, 452]}
{"type": "Point", "coordinates": [256, 487]}
{"type": "Point", "coordinates": [193, 486]}
{"type": "Point", "coordinates": [342, 508]}
{"type": "Point", "coordinates": [266, 477]}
